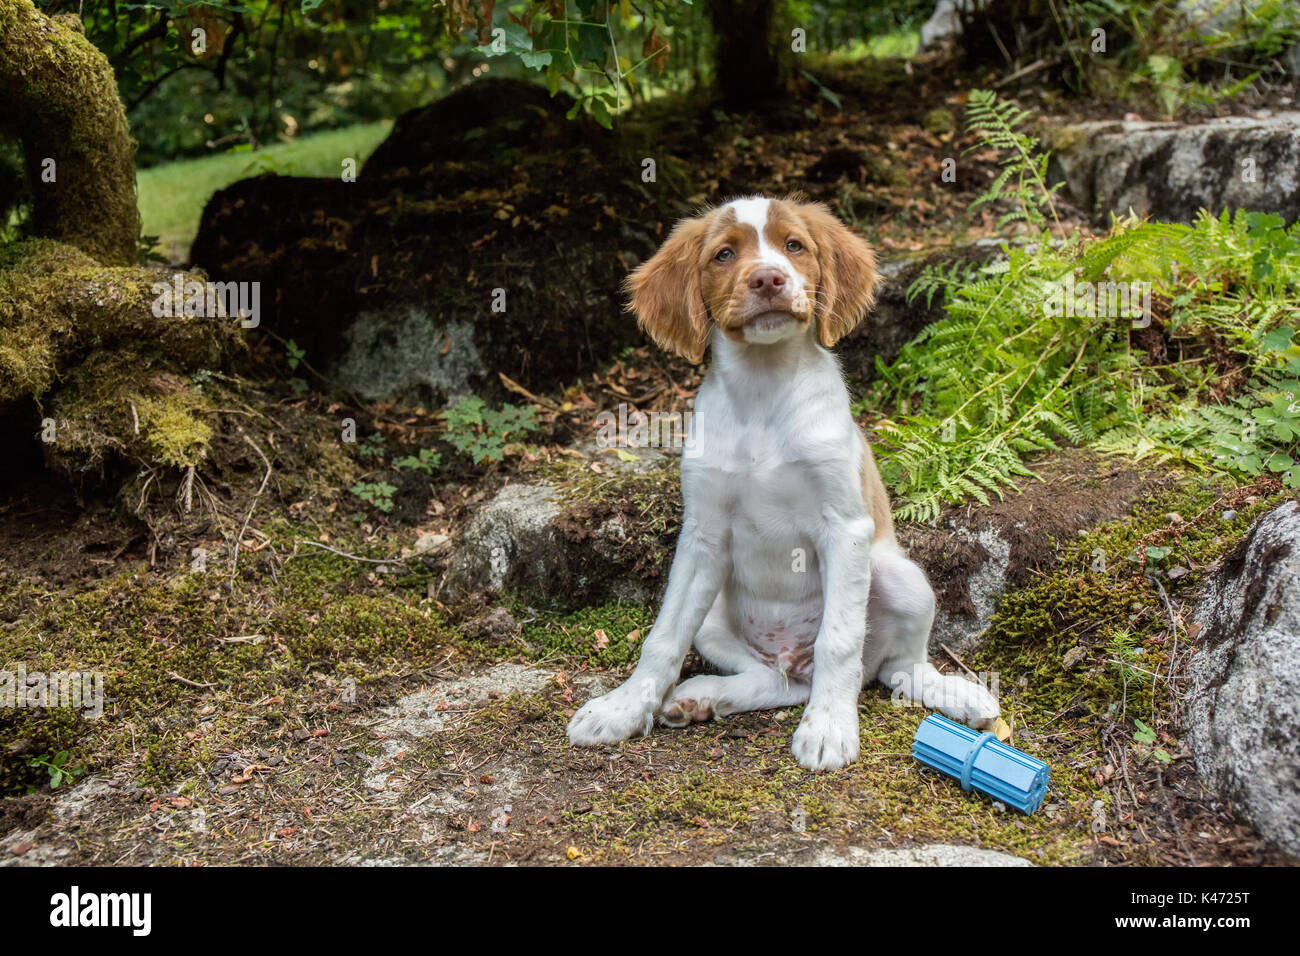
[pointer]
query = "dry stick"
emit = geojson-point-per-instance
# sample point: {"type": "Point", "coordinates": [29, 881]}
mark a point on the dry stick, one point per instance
{"type": "Point", "coordinates": [187, 492]}
{"type": "Point", "coordinates": [1023, 72]}
{"type": "Point", "coordinates": [175, 676]}
{"type": "Point", "coordinates": [354, 557]}
{"type": "Point", "coordinates": [234, 565]}
{"type": "Point", "coordinates": [960, 662]}
{"type": "Point", "coordinates": [1173, 623]}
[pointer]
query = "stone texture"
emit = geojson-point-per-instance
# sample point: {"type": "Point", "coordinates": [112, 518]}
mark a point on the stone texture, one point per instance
{"type": "Point", "coordinates": [1170, 170]}
{"type": "Point", "coordinates": [1244, 702]}
{"type": "Point", "coordinates": [931, 854]}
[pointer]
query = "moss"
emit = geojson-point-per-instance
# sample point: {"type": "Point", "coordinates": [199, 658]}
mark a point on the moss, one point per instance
{"type": "Point", "coordinates": [939, 121]}
{"type": "Point", "coordinates": [175, 427]}
{"type": "Point", "coordinates": [82, 341]}
{"type": "Point", "coordinates": [165, 648]}
{"type": "Point", "coordinates": [576, 636]}
{"type": "Point", "coordinates": [753, 788]}
{"type": "Point", "coordinates": [1098, 594]}
{"type": "Point", "coordinates": [59, 93]}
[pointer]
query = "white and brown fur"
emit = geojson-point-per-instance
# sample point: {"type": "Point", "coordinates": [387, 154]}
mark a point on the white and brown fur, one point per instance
{"type": "Point", "coordinates": [788, 577]}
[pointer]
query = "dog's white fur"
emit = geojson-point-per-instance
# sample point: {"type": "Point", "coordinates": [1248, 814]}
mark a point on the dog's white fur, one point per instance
{"type": "Point", "coordinates": [778, 551]}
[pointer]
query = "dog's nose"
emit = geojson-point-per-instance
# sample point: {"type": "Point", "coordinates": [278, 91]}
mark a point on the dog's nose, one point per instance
{"type": "Point", "coordinates": [769, 282]}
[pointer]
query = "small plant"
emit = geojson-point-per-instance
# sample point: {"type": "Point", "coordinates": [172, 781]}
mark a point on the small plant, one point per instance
{"type": "Point", "coordinates": [58, 768]}
{"type": "Point", "coordinates": [480, 432]}
{"type": "Point", "coordinates": [427, 461]}
{"type": "Point", "coordinates": [1145, 736]}
{"type": "Point", "coordinates": [294, 355]}
{"type": "Point", "coordinates": [1023, 179]}
{"type": "Point", "coordinates": [372, 446]}
{"type": "Point", "coordinates": [377, 493]}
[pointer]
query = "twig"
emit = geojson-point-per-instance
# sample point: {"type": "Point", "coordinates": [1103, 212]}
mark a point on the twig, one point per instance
{"type": "Point", "coordinates": [175, 676]}
{"type": "Point", "coordinates": [1022, 72]}
{"type": "Point", "coordinates": [234, 564]}
{"type": "Point", "coordinates": [354, 557]}
{"type": "Point", "coordinates": [960, 662]}
{"type": "Point", "coordinates": [187, 489]}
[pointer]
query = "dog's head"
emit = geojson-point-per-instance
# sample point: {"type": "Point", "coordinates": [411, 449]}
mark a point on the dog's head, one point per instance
{"type": "Point", "coordinates": [761, 270]}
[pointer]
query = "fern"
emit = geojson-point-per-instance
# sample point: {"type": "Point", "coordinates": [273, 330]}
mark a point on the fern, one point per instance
{"type": "Point", "coordinates": [1023, 178]}
{"type": "Point", "coordinates": [1002, 379]}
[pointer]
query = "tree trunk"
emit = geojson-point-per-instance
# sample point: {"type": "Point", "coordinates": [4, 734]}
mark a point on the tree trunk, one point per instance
{"type": "Point", "coordinates": [746, 62]}
{"type": "Point", "coordinates": [58, 93]}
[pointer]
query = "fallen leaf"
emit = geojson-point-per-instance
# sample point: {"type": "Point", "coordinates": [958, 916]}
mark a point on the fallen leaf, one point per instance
{"type": "Point", "coordinates": [1002, 730]}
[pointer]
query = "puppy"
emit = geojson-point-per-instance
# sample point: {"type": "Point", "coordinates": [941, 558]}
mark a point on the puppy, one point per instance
{"type": "Point", "coordinates": [787, 577]}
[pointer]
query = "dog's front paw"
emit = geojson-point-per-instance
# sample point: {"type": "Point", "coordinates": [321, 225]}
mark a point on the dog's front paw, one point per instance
{"type": "Point", "coordinates": [969, 703]}
{"type": "Point", "coordinates": [605, 720]}
{"type": "Point", "coordinates": [826, 739]}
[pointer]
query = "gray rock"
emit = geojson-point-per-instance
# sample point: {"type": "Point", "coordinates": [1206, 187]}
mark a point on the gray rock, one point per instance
{"type": "Point", "coordinates": [1244, 701]}
{"type": "Point", "coordinates": [932, 854]}
{"type": "Point", "coordinates": [407, 355]}
{"type": "Point", "coordinates": [1170, 170]}
{"type": "Point", "coordinates": [1208, 17]}
{"type": "Point", "coordinates": [1291, 60]}
{"type": "Point", "coordinates": [512, 537]}
{"type": "Point", "coordinates": [962, 633]}
{"type": "Point", "coordinates": [944, 24]}
{"type": "Point", "coordinates": [431, 543]}
{"type": "Point", "coordinates": [530, 542]}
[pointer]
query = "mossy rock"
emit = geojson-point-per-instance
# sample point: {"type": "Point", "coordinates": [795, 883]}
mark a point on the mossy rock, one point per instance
{"type": "Point", "coordinates": [59, 95]}
{"type": "Point", "coordinates": [87, 365]}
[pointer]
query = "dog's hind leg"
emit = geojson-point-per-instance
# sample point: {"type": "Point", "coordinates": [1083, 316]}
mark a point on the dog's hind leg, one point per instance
{"type": "Point", "coordinates": [900, 613]}
{"type": "Point", "coordinates": [745, 684]}
{"type": "Point", "coordinates": [707, 696]}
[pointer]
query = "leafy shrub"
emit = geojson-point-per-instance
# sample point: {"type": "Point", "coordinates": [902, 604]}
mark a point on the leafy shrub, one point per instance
{"type": "Point", "coordinates": [480, 432]}
{"type": "Point", "coordinates": [377, 493]}
{"type": "Point", "coordinates": [426, 461]}
{"type": "Point", "coordinates": [1009, 372]}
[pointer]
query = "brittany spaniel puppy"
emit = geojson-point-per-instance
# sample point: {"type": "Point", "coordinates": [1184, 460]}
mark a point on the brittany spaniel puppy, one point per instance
{"type": "Point", "coordinates": [787, 577]}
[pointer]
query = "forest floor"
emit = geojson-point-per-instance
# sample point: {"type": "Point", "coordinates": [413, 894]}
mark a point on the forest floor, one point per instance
{"type": "Point", "coordinates": [320, 702]}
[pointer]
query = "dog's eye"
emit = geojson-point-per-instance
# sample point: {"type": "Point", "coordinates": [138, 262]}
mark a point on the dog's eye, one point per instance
{"type": "Point", "coordinates": [793, 245]}
{"type": "Point", "coordinates": [724, 255]}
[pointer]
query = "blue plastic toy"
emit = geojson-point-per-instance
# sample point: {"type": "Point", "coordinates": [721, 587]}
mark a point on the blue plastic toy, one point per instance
{"type": "Point", "coordinates": [981, 761]}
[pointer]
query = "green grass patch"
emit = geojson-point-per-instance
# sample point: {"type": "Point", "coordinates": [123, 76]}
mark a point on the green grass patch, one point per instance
{"type": "Point", "coordinates": [172, 196]}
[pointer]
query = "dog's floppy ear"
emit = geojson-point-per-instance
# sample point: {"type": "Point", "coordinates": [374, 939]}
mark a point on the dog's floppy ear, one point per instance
{"type": "Point", "coordinates": [666, 292]}
{"type": "Point", "coordinates": [848, 274]}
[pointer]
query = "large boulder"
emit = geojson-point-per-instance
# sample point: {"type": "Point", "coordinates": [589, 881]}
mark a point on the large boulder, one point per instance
{"type": "Point", "coordinates": [1244, 702]}
{"type": "Point", "coordinates": [488, 234]}
{"type": "Point", "coordinates": [1170, 170]}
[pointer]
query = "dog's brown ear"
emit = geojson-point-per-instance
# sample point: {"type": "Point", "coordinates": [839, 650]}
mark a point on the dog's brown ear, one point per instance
{"type": "Point", "coordinates": [666, 292]}
{"type": "Point", "coordinates": [848, 274]}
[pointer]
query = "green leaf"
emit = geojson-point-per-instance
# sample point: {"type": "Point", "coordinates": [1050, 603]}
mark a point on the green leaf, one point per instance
{"type": "Point", "coordinates": [1279, 340]}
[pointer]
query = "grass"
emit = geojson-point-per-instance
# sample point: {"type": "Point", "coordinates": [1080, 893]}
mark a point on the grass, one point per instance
{"type": "Point", "coordinates": [172, 196]}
